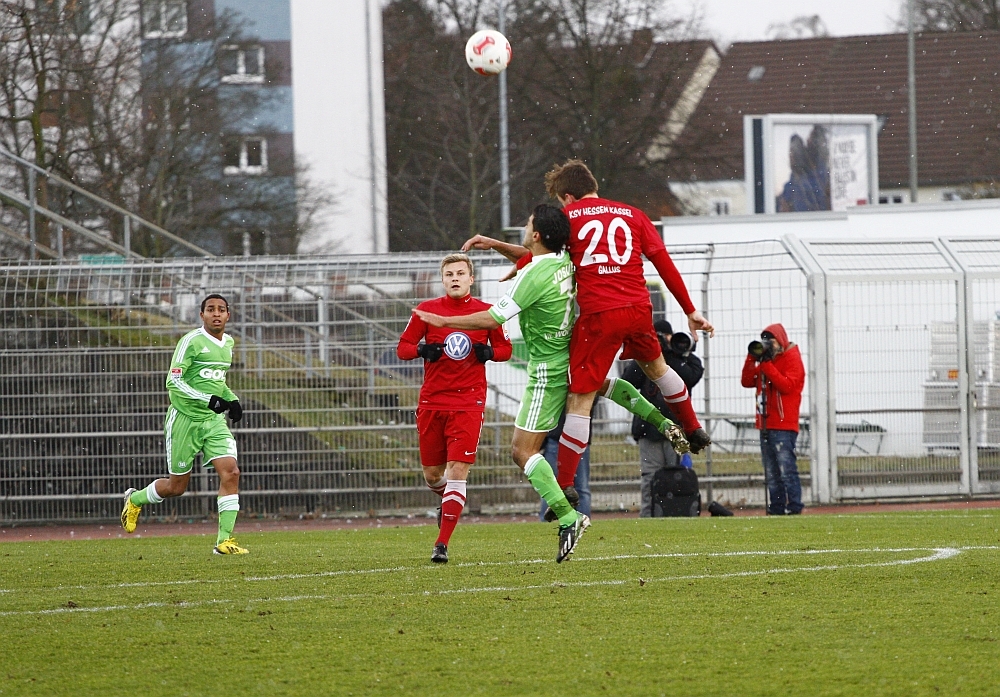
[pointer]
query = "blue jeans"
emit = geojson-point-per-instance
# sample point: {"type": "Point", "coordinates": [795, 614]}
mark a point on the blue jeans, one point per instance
{"type": "Point", "coordinates": [550, 451]}
{"type": "Point", "coordinates": [777, 451]}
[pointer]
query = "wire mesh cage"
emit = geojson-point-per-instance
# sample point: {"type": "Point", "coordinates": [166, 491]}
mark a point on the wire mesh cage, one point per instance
{"type": "Point", "coordinates": [329, 428]}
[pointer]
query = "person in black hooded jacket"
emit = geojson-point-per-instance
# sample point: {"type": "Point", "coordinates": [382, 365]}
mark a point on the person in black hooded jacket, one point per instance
{"type": "Point", "coordinates": [654, 450]}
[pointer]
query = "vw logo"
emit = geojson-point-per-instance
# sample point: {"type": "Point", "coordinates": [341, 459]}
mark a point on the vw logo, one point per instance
{"type": "Point", "coordinates": [457, 346]}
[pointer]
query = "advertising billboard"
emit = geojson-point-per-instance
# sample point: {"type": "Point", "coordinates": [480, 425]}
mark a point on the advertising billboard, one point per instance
{"type": "Point", "coordinates": [810, 162]}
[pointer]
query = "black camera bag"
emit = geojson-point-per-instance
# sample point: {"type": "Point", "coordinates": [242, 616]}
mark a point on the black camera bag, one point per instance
{"type": "Point", "coordinates": [675, 493]}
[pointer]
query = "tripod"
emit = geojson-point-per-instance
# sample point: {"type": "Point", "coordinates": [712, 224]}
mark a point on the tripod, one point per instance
{"type": "Point", "coordinates": [762, 384]}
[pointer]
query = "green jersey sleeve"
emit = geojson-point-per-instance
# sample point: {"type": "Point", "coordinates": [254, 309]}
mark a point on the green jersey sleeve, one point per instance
{"type": "Point", "coordinates": [529, 286]}
{"type": "Point", "coordinates": [180, 365]}
{"type": "Point", "coordinates": [227, 393]}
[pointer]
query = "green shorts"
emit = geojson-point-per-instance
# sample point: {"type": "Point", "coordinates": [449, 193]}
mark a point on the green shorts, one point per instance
{"type": "Point", "coordinates": [186, 437]}
{"type": "Point", "coordinates": [544, 397]}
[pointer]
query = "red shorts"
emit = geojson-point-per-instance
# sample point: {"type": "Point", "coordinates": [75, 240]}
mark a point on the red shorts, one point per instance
{"type": "Point", "coordinates": [448, 436]}
{"type": "Point", "coordinates": [597, 338]}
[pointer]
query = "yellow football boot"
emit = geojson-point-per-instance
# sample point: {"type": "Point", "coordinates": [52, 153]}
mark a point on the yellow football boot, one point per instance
{"type": "Point", "coordinates": [130, 513]}
{"type": "Point", "coordinates": [229, 546]}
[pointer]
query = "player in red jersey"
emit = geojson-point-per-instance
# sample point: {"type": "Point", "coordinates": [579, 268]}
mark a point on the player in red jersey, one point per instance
{"type": "Point", "coordinates": [453, 397]}
{"type": "Point", "coordinates": [606, 238]}
{"type": "Point", "coordinates": [606, 243]}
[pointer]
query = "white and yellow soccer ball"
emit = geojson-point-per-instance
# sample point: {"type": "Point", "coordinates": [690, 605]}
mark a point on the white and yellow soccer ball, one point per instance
{"type": "Point", "coordinates": [488, 52]}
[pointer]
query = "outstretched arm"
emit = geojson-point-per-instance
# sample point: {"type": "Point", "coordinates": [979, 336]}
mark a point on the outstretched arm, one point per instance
{"type": "Point", "coordinates": [512, 252]}
{"type": "Point", "coordinates": [477, 320]}
{"type": "Point", "coordinates": [675, 284]}
{"type": "Point", "coordinates": [652, 246]}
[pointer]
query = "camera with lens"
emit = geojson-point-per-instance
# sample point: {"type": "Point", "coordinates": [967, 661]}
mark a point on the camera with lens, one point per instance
{"type": "Point", "coordinates": [760, 351]}
{"type": "Point", "coordinates": [681, 343]}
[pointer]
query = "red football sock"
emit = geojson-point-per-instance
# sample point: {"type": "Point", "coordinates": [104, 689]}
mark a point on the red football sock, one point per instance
{"type": "Point", "coordinates": [680, 404]}
{"type": "Point", "coordinates": [675, 393]}
{"type": "Point", "coordinates": [452, 505]}
{"type": "Point", "coordinates": [438, 486]}
{"type": "Point", "coordinates": [572, 443]}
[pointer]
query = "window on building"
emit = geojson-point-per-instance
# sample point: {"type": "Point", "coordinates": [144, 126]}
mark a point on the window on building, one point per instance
{"type": "Point", "coordinates": [256, 242]}
{"type": "Point", "coordinates": [242, 64]}
{"type": "Point", "coordinates": [718, 206]}
{"type": "Point", "coordinates": [890, 199]}
{"type": "Point", "coordinates": [72, 15]}
{"type": "Point", "coordinates": [164, 18]}
{"type": "Point", "coordinates": [245, 156]}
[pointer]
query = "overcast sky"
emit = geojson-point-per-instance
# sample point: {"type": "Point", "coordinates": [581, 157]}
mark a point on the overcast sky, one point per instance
{"type": "Point", "coordinates": [747, 20]}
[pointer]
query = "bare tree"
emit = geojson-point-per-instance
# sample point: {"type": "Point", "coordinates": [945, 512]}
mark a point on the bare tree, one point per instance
{"type": "Point", "coordinates": [591, 79]}
{"type": "Point", "coordinates": [952, 15]}
{"type": "Point", "coordinates": [605, 81]}
{"type": "Point", "coordinates": [142, 123]}
{"type": "Point", "coordinates": [802, 27]}
{"type": "Point", "coordinates": [61, 70]}
{"type": "Point", "coordinates": [441, 126]}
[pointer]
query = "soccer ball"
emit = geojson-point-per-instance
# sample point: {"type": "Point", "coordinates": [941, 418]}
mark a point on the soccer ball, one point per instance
{"type": "Point", "coordinates": [488, 52]}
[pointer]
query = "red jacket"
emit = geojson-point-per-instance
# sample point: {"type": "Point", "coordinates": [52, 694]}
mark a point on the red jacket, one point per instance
{"type": "Point", "coordinates": [784, 377]}
{"type": "Point", "coordinates": [450, 384]}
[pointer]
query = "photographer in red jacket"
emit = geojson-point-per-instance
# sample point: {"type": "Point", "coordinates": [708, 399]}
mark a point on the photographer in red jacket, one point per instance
{"type": "Point", "coordinates": [774, 367]}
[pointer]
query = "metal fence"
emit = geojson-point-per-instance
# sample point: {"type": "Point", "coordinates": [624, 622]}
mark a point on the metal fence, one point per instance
{"type": "Point", "coordinates": [904, 366]}
{"type": "Point", "coordinates": [329, 426]}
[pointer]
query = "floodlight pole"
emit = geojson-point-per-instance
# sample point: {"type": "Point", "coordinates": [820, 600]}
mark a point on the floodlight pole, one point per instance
{"type": "Point", "coordinates": [504, 150]}
{"type": "Point", "coordinates": [911, 69]}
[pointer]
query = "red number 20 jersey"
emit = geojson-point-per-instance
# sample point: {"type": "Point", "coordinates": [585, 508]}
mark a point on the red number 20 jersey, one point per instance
{"type": "Point", "coordinates": [606, 242]}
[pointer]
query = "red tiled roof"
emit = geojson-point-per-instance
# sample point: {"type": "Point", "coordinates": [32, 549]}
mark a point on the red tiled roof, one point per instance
{"type": "Point", "coordinates": [958, 101]}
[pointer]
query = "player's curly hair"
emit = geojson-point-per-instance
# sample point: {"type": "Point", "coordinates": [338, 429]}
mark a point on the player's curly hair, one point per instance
{"type": "Point", "coordinates": [572, 177]}
{"type": "Point", "coordinates": [552, 226]}
{"type": "Point", "coordinates": [214, 296]}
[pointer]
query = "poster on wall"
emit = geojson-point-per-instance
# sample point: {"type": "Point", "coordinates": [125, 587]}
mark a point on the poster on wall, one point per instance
{"type": "Point", "coordinates": [798, 162]}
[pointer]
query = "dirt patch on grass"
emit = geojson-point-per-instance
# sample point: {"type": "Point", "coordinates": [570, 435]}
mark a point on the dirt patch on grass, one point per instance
{"type": "Point", "coordinates": [91, 531]}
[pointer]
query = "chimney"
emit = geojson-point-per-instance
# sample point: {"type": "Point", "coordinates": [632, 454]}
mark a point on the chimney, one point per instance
{"type": "Point", "coordinates": [642, 39]}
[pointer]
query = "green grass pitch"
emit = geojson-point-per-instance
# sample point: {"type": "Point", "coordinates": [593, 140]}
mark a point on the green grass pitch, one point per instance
{"type": "Point", "coordinates": [880, 604]}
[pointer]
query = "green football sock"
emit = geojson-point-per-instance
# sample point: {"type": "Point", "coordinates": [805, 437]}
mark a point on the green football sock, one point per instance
{"type": "Point", "coordinates": [229, 507]}
{"type": "Point", "coordinates": [538, 472]}
{"type": "Point", "coordinates": [145, 496]}
{"type": "Point", "coordinates": [625, 395]}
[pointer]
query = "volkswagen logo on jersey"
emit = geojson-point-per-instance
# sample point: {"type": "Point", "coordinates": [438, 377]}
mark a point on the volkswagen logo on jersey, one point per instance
{"type": "Point", "coordinates": [457, 346]}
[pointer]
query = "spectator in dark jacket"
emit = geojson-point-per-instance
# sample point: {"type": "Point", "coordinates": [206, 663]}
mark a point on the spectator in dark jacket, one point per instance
{"type": "Point", "coordinates": [779, 377]}
{"type": "Point", "coordinates": [655, 450]}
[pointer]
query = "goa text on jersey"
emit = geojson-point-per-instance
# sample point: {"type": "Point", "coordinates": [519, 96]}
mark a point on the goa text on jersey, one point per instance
{"type": "Point", "coordinates": [198, 371]}
{"type": "Point", "coordinates": [456, 381]}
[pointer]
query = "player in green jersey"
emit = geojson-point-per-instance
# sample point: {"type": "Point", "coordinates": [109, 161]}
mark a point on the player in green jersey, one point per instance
{"type": "Point", "coordinates": [199, 396]}
{"type": "Point", "coordinates": [542, 295]}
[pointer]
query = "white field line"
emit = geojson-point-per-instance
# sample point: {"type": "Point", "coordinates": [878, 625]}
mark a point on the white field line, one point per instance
{"type": "Point", "coordinates": [939, 554]}
{"type": "Point", "coordinates": [143, 606]}
{"type": "Point", "coordinates": [398, 569]}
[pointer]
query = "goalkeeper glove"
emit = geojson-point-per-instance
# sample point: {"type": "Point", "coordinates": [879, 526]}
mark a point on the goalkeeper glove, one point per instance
{"type": "Point", "coordinates": [484, 352]}
{"type": "Point", "coordinates": [217, 404]}
{"type": "Point", "coordinates": [430, 352]}
{"type": "Point", "coordinates": [235, 411]}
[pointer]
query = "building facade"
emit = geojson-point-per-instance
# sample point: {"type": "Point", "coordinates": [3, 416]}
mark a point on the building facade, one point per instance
{"type": "Point", "coordinates": [958, 152]}
{"type": "Point", "coordinates": [313, 132]}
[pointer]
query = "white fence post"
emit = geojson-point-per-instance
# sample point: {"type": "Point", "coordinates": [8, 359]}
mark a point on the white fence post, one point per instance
{"type": "Point", "coordinates": [823, 450]}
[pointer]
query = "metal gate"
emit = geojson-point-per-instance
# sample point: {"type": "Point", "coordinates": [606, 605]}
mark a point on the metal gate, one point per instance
{"type": "Point", "coordinates": [904, 399]}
